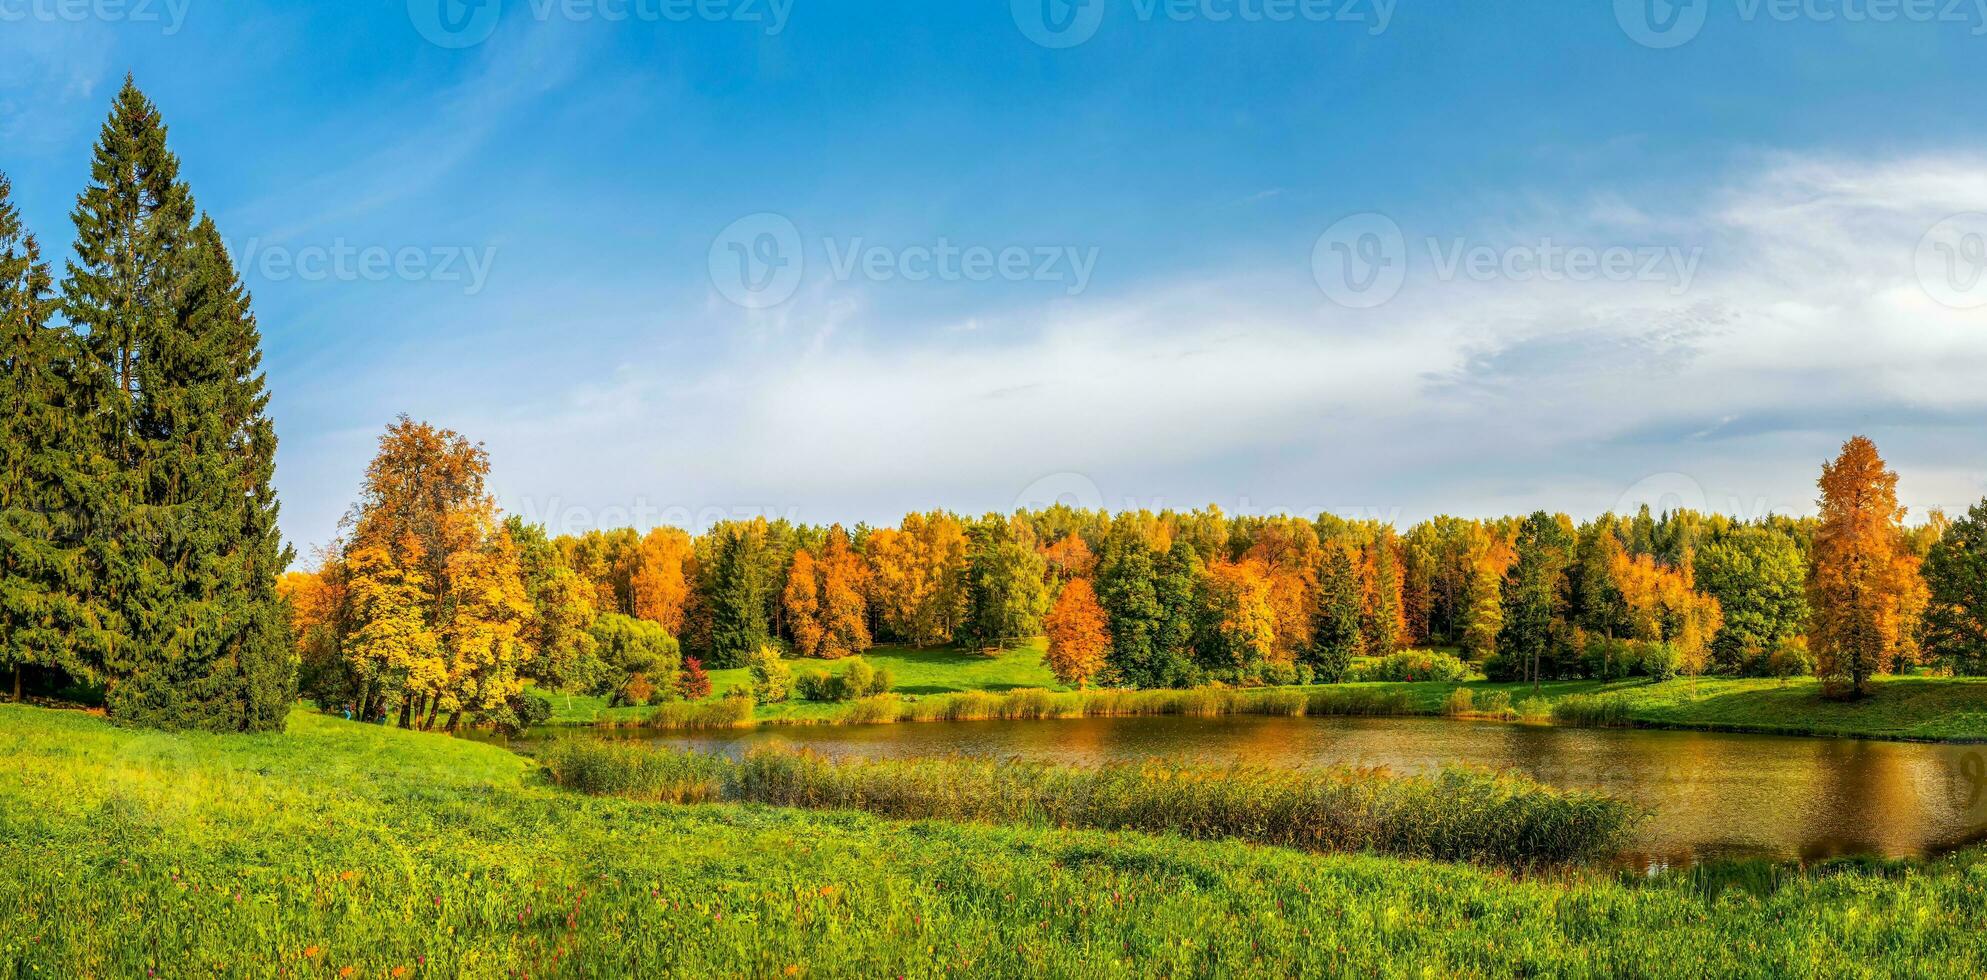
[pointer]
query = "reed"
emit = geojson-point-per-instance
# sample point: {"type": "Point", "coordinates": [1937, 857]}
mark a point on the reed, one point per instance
{"type": "Point", "coordinates": [1595, 710]}
{"type": "Point", "coordinates": [1457, 814]}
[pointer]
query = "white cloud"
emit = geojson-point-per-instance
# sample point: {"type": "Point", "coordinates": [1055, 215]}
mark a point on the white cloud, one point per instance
{"type": "Point", "coordinates": [1804, 324]}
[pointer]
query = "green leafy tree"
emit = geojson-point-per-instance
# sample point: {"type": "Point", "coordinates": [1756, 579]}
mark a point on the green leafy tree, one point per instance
{"type": "Point", "coordinates": [1006, 592]}
{"type": "Point", "coordinates": [1759, 578]}
{"type": "Point", "coordinates": [1956, 573]}
{"type": "Point", "coordinates": [635, 655]}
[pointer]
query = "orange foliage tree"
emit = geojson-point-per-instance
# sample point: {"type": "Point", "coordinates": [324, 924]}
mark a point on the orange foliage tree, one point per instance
{"type": "Point", "coordinates": [1079, 634]}
{"type": "Point", "coordinates": [658, 576]}
{"type": "Point", "coordinates": [1864, 588]}
{"type": "Point", "coordinates": [826, 612]}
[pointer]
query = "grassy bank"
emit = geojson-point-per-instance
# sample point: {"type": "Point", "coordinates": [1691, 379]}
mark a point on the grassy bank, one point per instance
{"type": "Point", "coordinates": [1455, 815]}
{"type": "Point", "coordinates": [949, 685]}
{"type": "Point", "coordinates": [339, 845]}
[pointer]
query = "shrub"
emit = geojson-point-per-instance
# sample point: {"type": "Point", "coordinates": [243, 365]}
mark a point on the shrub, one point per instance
{"type": "Point", "coordinates": [1660, 661]}
{"type": "Point", "coordinates": [1457, 814]}
{"type": "Point", "coordinates": [1496, 704]}
{"type": "Point", "coordinates": [1461, 702]}
{"type": "Point", "coordinates": [1414, 665]}
{"type": "Point", "coordinates": [772, 679]}
{"type": "Point", "coordinates": [1535, 709]}
{"type": "Point", "coordinates": [856, 681]}
{"type": "Point", "coordinates": [696, 682]}
{"type": "Point", "coordinates": [1792, 659]}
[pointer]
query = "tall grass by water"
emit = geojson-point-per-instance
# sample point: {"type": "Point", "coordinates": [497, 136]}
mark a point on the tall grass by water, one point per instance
{"type": "Point", "coordinates": [1457, 814]}
{"type": "Point", "coordinates": [1033, 704]}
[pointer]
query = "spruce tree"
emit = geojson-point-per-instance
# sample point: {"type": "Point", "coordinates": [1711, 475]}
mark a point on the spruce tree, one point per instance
{"type": "Point", "coordinates": [41, 623]}
{"type": "Point", "coordinates": [1335, 633]}
{"type": "Point", "coordinates": [179, 451]}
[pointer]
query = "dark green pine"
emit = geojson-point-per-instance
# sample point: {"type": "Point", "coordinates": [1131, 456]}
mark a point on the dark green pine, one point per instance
{"type": "Point", "coordinates": [183, 546]}
{"type": "Point", "coordinates": [41, 622]}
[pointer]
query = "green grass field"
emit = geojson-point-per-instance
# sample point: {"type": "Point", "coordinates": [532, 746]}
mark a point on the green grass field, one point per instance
{"type": "Point", "coordinates": [915, 672]}
{"type": "Point", "coordinates": [1925, 708]}
{"type": "Point", "coordinates": [343, 850]}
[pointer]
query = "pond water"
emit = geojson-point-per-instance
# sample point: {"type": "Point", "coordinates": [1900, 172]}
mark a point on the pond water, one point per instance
{"type": "Point", "coordinates": [1708, 795]}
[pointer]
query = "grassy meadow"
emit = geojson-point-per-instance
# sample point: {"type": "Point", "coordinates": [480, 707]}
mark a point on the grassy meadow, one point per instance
{"type": "Point", "coordinates": [946, 684]}
{"type": "Point", "coordinates": [344, 850]}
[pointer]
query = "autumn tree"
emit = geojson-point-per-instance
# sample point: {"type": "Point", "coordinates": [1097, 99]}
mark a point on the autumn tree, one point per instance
{"type": "Point", "coordinates": [559, 634]}
{"type": "Point", "coordinates": [917, 578]}
{"type": "Point", "coordinates": [484, 613]}
{"type": "Point", "coordinates": [1861, 584]}
{"type": "Point", "coordinates": [1382, 614]}
{"type": "Point", "coordinates": [657, 575]}
{"type": "Point", "coordinates": [639, 660]}
{"type": "Point", "coordinates": [1069, 559]}
{"type": "Point", "coordinates": [1079, 634]}
{"type": "Point", "coordinates": [1238, 618]}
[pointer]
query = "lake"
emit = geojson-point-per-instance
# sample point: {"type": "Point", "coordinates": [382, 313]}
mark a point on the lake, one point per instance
{"type": "Point", "coordinates": [1708, 795]}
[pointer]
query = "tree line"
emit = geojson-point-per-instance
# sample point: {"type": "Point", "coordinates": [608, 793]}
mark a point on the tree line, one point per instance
{"type": "Point", "coordinates": [432, 602]}
{"type": "Point", "coordinates": [138, 542]}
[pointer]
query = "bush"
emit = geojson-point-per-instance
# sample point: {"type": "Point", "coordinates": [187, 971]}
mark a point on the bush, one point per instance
{"type": "Point", "coordinates": [1461, 702]}
{"type": "Point", "coordinates": [1497, 704]}
{"type": "Point", "coordinates": [696, 682]}
{"type": "Point", "coordinates": [772, 679]}
{"type": "Point", "coordinates": [525, 711]}
{"type": "Point", "coordinates": [856, 681]}
{"type": "Point", "coordinates": [1792, 659]}
{"type": "Point", "coordinates": [1535, 709]}
{"type": "Point", "coordinates": [1457, 814]}
{"type": "Point", "coordinates": [1414, 665]}
{"type": "Point", "coordinates": [1660, 661]}
{"type": "Point", "coordinates": [1609, 659]}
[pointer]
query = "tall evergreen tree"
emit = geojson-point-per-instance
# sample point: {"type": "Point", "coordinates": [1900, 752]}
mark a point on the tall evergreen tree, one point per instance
{"type": "Point", "coordinates": [179, 455]}
{"type": "Point", "coordinates": [40, 619]}
{"type": "Point", "coordinates": [1534, 592]}
{"type": "Point", "coordinates": [1335, 635]}
{"type": "Point", "coordinates": [738, 607]}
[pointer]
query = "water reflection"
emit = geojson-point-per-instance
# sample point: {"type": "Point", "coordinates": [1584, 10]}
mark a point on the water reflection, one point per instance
{"type": "Point", "coordinates": [1708, 795]}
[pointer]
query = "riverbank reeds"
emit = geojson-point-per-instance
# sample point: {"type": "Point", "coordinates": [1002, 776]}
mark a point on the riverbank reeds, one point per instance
{"type": "Point", "coordinates": [1594, 710]}
{"type": "Point", "coordinates": [1034, 704]}
{"type": "Point", "coordinates": [1456, 814]}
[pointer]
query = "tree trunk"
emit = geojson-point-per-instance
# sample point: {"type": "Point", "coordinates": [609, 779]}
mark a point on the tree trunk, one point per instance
{"type": "Point", "coordinates": [455, 721]}
{"type": "Point", "coordinates": [17, 683]}
{"type": "Point", "coordinates": [407, 714]}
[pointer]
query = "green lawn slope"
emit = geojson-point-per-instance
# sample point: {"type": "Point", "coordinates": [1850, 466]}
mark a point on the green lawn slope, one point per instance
{"type": "Point", "coordinates": [342, 850]}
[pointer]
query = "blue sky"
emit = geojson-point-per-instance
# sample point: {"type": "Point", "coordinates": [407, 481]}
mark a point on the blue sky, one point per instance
{"type": "Point", "coordinates": [545, 204]}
